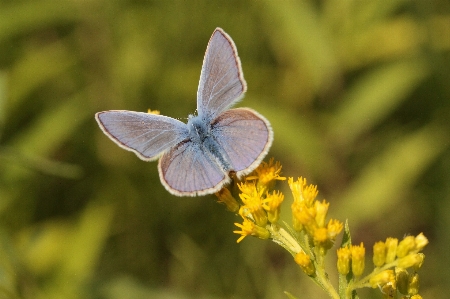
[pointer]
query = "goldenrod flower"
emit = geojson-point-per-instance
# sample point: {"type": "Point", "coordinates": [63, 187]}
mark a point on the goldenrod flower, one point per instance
{"type": "Point", "coordinates": [334, 228]}
{"type": "Point", "coordinates": [303, 209]}
{"type": "Point", "coordinates": [304, 261]}
{"type": "Point", "coordinates": [421, 241]}
{"type": "Point", "coordinates": [248, 188]}
{"type": "Point", "coordinates": [391, 249]}
{"type": "Point", "coordinates": [272, 204]}
{"type": "Point", "coordinates": [321, 212]}
{"type": "Point", "coordinates": [267, 174]}
{"type": "Point", "coordinates": [358, 254]}
{"type": "Point", "coordinates": [153, 111]}
{"type": "Point", "coordinates": [405, 246]}
{"type": "Point", "coordinates": [421, 258]}
{"type": "Point", "coordinates": [379, 254]}
{"type": "Point", "coordinates": [248, 228]}
{"type": "Point", "coordinates": [344, 255]}
{"type": "Point", "coordinates": [303, 193]}
{"type": "Point", "coordinates": [253, 203]}
{"type": "Point", "coordinates": [413, 284]}
{"type": "Point", "coordinates": [224, 196]}
{"type": "Point", "coordinates": [320, 236]}
{"type": "Point", "coordinates": [303, 217]}
{"type": "Point", "coordinates": [409, 261]}
{"type": "Point", "coordinates": [382, 278]}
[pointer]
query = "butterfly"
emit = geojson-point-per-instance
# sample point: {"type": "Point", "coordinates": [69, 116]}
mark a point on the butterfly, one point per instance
{"type": "Point", "coordinates": [201, 156]}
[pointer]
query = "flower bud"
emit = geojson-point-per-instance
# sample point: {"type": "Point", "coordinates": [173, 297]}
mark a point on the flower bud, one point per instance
{"type": "Point", "coordinates": [405, 246]}
{"type": "Point", "coordinates": [379, 254]}
{"type": "Point", "coordinates": [304, 261]}
{"type": "Point", "coordinates": [343, 261]}
{"type": "Point", "coordinates": [358, 254]}
{"type": "Point", "coordinates": [391, 249]}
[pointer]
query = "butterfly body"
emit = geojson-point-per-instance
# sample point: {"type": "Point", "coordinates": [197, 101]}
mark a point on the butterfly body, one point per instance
{"type": "Point", "coordinates": [197, 158]}
{"type": "Point", "coordinates": [203, 133]}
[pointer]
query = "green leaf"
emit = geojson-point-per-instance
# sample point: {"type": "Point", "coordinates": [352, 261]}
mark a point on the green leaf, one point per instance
{"type": "Point", "coordinates": [346, 238]}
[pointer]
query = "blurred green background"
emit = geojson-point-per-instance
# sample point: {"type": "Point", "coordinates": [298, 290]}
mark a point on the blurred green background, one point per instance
{"type": "Point", "coordinates": [357, 93]}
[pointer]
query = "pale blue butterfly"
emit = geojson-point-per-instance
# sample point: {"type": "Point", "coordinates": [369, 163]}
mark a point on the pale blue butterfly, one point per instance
{"type": "Point", "coordinates": [199, 157]}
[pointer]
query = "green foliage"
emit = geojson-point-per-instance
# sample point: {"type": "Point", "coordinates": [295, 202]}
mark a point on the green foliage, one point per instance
{"type": "Point", "coordinates": [356, 91]}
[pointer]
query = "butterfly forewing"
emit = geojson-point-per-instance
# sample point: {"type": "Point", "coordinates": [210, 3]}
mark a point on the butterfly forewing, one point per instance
{"type": "Point", "coordinates": [221, 81]}
{"type": "Point", "coordinates": [147, 135]}
{"type": "Point", "coordinates": [245, 136]}
{"type": "Point", "coordinates": [187, 170]}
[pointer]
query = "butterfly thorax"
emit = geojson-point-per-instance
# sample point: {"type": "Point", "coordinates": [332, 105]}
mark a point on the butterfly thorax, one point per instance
{"type": "Point", "coordinates": [200, 134]}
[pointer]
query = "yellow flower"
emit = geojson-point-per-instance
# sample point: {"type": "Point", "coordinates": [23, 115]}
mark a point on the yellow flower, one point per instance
{"type": "Point", "coordinates": [321, 212]}
{"type": "Point", "coordinates": [421, 258]}
{"type": "Point", "coordinates": [413, 284]}
{"type": "Point", "coordinates": [405, 246]}
{"type": "Point", "coordinates": [253, 203]}
{"type": "Point", "coordinates": [301, 192]}
{"type": "Point", "coordinates": [382, 278]}
{"type": "Point", "coordinates": [391, 249]}
{"type": "Point", "coordinates": [304, 261]}
{"type": "Point", "coordinates": [410, 260]}
{"type": "Point", "coordinates": [248, 188]}
{"type": "Point", "coordinates": [358, 253]}
{"type": "Point", "coordinates": [379, 254]}
{"type": "Point", "coordinates": [334, 228]}
{"type": "Point", "coordinates": [320, 236]}
{"type": "Point", "coordinates": [272, 204]}
{"type": "Point", "coordinates": [153, 111]}
{"type": "Point", "coordinates": [343, 262]}
{"type": "Point", "coordinates": [303, 217]}
{"type": "Point", "coordinates": [267, 174]}
{"type": "Point", "coordinates": [248, 228]}
{"type": "Point", "coordinates": [224, 196]}
{"type": "Point", "coordinates": [421, 241]}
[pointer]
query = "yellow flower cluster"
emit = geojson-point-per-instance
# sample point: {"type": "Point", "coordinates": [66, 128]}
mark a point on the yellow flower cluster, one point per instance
{"type": "Point", "coordinates": [312, 235]}
{"type": "Point", "coordinates": [403, 255]}
{"type": "Point", "coordinates": [259, 207]}
{"type": "Point", "coordinates": [406, 253]}
{"type": "Point", "coordinates": [391, 259]}
{"type": "Point", "coordinates": [309, 215]}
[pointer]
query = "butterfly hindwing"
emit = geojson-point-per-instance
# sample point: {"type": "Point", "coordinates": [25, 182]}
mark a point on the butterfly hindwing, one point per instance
{"type": "Point", "coordinates": [188, 170]}
{"type": "Point", "coordinates": [245, 136]}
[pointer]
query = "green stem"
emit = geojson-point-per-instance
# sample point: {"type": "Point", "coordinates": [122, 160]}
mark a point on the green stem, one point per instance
{"type": "Point", "coordinates": [364, 282]}
{"type": "Point", "coordinates": [323, 280]}
{"type": "Point", "coordinates": [282, 237]}
{"type": "Point", "coordinates": [285, 239]}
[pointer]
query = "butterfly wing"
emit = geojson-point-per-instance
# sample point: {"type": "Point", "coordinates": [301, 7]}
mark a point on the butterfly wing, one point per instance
{"type": "Point", "coordinates": [245, 136]}
{"type": "Point", "coordinates": [147, 135]}
{"type": "Point", "coordinates": [188, 170]}
{"type": "Point", "coordinates": [221, 80]}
